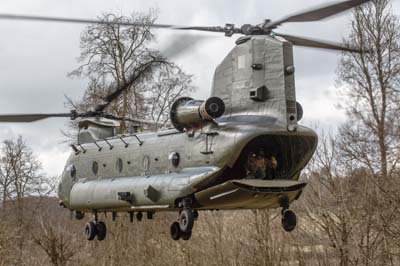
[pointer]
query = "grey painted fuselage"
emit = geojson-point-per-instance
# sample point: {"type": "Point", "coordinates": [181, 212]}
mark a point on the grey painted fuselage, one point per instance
{"type": "Point", "coordinates": [142, 172]}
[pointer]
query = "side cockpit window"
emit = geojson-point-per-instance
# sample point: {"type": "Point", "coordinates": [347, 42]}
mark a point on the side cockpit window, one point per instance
{"type": "Point", "coordinates": [71, 170]}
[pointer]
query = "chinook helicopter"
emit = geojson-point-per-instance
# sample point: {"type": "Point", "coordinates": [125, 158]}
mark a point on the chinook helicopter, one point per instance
{"type": "Point", "coordinates": [242, 148]}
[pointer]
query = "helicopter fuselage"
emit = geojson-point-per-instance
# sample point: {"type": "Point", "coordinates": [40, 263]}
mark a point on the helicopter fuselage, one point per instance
{"type": "Point", "coordinates": [206, 163]}
{"type": "Point", "coordinates": [153, 171]}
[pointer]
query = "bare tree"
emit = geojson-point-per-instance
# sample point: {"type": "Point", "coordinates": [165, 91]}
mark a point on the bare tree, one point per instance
{"type": "Point", "coordinates": [167, 85]}
{"type": "Point", "coordinates": [370, 139]}
{"type": "Point", "coordinates": [21, 179]}
{"type": "Point", "coordinates": [55, 243]}
{"type": "Point", "coordinates": [371, 84]}
{"type": "Point", "coordinates": [20, 172]}
{"type": "Point", "coordinates": [268, 248]}
{"type": "Point", "coordinates": [330, 204]}
{"type": "Point", "coordinates": [5, 178]}
{"type": "Point", "coordinates": [111, 53]}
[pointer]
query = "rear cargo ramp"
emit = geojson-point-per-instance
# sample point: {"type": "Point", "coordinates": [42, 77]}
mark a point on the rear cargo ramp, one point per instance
{"type": "Point", "coordinates": [249, 194]}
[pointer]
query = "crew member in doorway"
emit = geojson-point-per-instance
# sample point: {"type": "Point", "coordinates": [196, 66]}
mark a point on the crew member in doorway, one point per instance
{"type": "Point", "coordinates": [271, 166]}
{"type": "Point", "coordinates": [256, 165]}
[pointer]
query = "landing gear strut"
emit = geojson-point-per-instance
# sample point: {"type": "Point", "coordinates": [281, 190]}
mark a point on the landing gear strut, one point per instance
{"type": "Point", "coordinates": [95, 228]}
{"type": "Point", "coordinates": [182, 229]}
{"type": "Point", "coordinates": [79, 215]}
{"type": "Point", "coordinates": [289, 219]}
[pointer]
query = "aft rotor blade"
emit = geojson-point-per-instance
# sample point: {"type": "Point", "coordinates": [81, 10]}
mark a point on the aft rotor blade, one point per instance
{"type": "Point", "coordinates": [182, 43]}
{"type": "Point", "coordinates": [307, 42]}
{"type": "Point", "coordinates": [25, 118]}
{"type": "Point", "coordinates": [134, 120]}
{"type": "Point", "coordinates": [143, 71]}
{"type": "Point", "coordinates": [318, 13]}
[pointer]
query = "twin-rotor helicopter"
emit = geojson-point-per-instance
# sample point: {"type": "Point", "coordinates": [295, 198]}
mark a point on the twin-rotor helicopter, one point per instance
{"type": "Point", "coordinates": [242, 148]}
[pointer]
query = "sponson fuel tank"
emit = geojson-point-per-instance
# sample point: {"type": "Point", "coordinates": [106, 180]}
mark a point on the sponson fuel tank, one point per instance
{"type": "Point", "coordinates": [155, 192]}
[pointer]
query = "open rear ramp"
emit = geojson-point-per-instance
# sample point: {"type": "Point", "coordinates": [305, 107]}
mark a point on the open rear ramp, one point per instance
{"type": "Point", "coordinates": [249, 194]}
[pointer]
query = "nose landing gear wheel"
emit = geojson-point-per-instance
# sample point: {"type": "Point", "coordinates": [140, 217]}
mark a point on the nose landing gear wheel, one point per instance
{"type": "Point", "coordinates": [289, 220]}
{"type": "Point", "coordinates": [90, 231]}
{"type": "Point", "coordinates": [186, 220]}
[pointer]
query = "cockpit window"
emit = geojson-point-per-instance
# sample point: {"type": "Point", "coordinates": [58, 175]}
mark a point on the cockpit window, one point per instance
{"type": "Point", "coordinates": [72, 171]}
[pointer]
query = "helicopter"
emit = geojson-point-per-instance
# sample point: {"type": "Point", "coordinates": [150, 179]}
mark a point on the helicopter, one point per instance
{"type": "Point", "coordinates": [242, 148]}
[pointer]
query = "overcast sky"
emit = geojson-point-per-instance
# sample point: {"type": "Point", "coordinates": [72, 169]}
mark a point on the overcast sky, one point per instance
{"type": "Point", "coordinates": [35, 58]}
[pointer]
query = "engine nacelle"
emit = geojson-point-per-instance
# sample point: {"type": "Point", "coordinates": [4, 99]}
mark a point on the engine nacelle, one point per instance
{"type": "Point", "coordinates": [187, 113]}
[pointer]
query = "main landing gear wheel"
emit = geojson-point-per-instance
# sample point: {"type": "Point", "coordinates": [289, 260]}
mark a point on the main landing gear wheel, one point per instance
{"type": "Point", "coordinates": [95, 228]}
{"type": "Point", "coordinates": [101, 231]}
{"type": "Point", "coordinates": [175, 231]}
{"type": "Point", "coordinates": [182, 229]}
{"type": "Point", "coordinates": [90, 231]}
{"type": "Point", "coordinates": [186, 236]}
{"type": "Point", "coordinates": [186, 220]}
{"type": "Point", "coordinates": [289, 220]}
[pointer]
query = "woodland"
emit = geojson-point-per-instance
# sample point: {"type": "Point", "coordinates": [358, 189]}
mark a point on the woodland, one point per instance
{"type": "Point", "coordinates": [348, 214]}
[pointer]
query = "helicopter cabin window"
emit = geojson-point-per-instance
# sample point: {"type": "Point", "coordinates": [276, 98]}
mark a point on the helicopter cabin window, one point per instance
{"type": "Point", "coordinates": [174, 158]}
{"type": "Point", "coordinates": [146, 163]}
{"type": "Point", "coordinates": [119, 165]}
{"type": "Point", "coordinates": [95, 168]}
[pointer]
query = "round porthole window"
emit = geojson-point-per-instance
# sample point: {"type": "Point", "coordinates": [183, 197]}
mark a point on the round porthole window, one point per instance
{"type": "Point", "coordinates": [174, 158]}
{"type": "Point", "coordinates": [146, 163]}
{"type": "Point", "coordinates": [72, 171]}
{"type": "Point", "coordinates": [119, 165]}
{"type": "Point", "coordinates": [95, 168]}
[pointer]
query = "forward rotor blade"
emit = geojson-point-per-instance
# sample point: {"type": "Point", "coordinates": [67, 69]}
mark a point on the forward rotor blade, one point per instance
{"type": "Point", "coordinates": [25, 118]}
{"type": "Point", "coordinates": [97, 21]}
{"type": "Point", "coordinates": [79, 21]}
{"type": "Point", "coordinates": [300, 41]}
{"type": "Point", "coordinates": [318, 13]}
